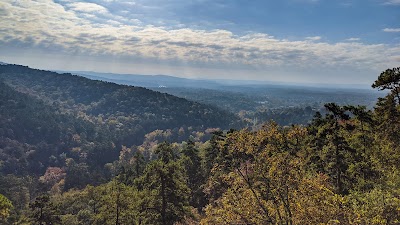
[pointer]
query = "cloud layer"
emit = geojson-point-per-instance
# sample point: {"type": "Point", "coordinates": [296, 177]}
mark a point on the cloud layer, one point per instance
{"type": "Point", "coordinates": [99, 29]}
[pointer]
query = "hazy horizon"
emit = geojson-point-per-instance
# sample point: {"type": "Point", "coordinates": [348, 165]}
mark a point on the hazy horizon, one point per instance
{"type": "Point", "coordinates": [220, 81]}
{"type": "Point", "coordinates": [234, 81]}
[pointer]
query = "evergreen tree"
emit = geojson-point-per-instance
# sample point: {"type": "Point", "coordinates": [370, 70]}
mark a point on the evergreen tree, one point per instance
{"type": "Point", "coordinates": [389, 80]}
{"type": "Point", "coordinates": [334, 152]}
{"type": "Point", "coordinates": [192, 163]}
{"type": "Point", "coordinates": [43, 212]}
{"type": "Point", "coordinates": [165, 183]}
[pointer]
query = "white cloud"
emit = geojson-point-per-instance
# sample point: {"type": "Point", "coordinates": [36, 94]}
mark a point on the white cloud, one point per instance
{"type": "Point", "coordinates": [392, 2]}
{"type": "Point", "coordinates": [46, 25]}
{"type": "Point", "coordinates": [315, 38]}
{"type": "Point", "coordinates": [391, 30]}
{"type": "Point", "coordinates": [87, 7]}
{"type": "Point", "coordinates": [353, 39]}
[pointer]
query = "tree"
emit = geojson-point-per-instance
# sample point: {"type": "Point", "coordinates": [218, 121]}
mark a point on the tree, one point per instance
{"type": "Point", "coordinates": [363, 169]}
{"type": "Point", "coordinates": [43, 211]}
{"type": "Point", "coordinates": [5, 207]}
{"type": "Point", "coordinates": [364, 117]}
{"type": "Point", "coordinates": [117, 204]}
{"type": "Point", "coordinates": [268, 182]}
{"type": "Point", "coordinates": [132, 169]}
{"type": "Point", "coordinates": [164, 181]}
{"type": "Point", "coordinates": [334, 152]}
{"type": "Point", "coordinates": [192, 163]}
{"type": "Point", "coordinates": [211, 152]}
{"type": "Point", "coordinates": [77, 174]}
{"type": "Point", "coordinates": [390, 80]}
{"type": "Point", "coordinates": [387, 117]}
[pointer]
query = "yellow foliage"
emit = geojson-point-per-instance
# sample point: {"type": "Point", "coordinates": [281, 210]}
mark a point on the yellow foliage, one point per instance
{"type": "Point", "coordinates": [269, 185]}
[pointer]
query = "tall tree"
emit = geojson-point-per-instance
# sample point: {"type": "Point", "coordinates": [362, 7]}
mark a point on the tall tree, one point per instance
{"type": "Point", "coordinates": [43, 211]}
{"type": "Point", "coordinates": [362, 140]}
{"type": "Point", "coordinates": [390, 80]}
{"type": "Point", "coordinates": [334, 152]}
{"type": "Point", "coordinates": [164, 180]}
{"type": "Point", "coordinates": [364, 117]}
{"type": "Point", "coordinates": [117, 204]}
{"type": "Point", "coordinates": [132, 170]}
{"type": "Point", "coordinates": [387, 117]}
{"type": "Point", "coordinates": [192, 164]}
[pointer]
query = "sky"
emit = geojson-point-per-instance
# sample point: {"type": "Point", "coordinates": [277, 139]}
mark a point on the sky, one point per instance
{"type": "Point", "coordinates": [300, 41]}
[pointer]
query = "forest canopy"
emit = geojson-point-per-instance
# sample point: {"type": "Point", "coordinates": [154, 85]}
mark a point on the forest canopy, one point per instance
{"type": "Point", "coordinates": [71, 152]}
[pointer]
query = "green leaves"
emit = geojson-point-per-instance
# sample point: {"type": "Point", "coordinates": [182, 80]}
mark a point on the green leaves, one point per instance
{"type": "Point", "coordinates": [43, 211]}
{"type": "Point", "coordinates": [5, 207]}
{"type": "Point", "coordinates": [390, 80]}
{"type": "Point", "coordinates": [164, 178]}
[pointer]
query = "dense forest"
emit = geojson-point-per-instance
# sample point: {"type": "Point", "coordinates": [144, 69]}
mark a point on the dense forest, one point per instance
{"type": "Point", "coordinates": [47, 117]}
{"type": "Point", "coordinates": [76, 151]}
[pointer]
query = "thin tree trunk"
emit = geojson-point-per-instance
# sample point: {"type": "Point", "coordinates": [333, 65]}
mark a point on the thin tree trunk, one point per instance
{"type": "Point", "coordinates": [118, 206]}
{"type": "Point", "coordinates": [397, 94]}
{"type": "Point", "coordinates": [338, 173]}
{"type": "Point", "coordinates": [255, 195]}
{"type": "Point", "coordinates": [164, 200]}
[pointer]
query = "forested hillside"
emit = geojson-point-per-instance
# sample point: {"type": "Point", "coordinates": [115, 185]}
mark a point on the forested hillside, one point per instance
{"type": "Point", "coordinates": [114, 103]}
{"type": "Point", "coordinates": [342, 168]}
{"type": "Point", "coordinates": [34, 135]}
{"type": "Point", "coordinates": [50, 120]}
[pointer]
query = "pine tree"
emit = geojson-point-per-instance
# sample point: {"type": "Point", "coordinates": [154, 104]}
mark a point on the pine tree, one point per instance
{"type": "Point", "coordinates": [192, 164]}
{"type": "Point", "coordinates": [334, 152]}
{"type": "Point", "coordinates": [43, 211]}
{"type": "Point", "coordinates": [164, 181]}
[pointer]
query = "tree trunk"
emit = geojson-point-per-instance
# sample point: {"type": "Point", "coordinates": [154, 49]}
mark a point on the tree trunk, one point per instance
{"type": "Point", "coordinates": [118, 207]}
{"type": "Point", "coordinates": [338, 173]}
{"type": "Point", "coordinates": [164, 200]}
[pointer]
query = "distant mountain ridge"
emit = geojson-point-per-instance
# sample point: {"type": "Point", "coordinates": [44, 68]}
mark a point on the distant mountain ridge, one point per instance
{"type": "Point", "coordinates": [151, 81]}
{"type": "Point", "coordinates": [154, 81]}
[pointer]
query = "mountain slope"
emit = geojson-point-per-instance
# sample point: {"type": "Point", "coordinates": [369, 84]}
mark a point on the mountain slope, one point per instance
{"type": "Point", "coordinates": [46, 116]}
{"type": "Point", "coordinates": [34, 135]}
{"type": "Point", "coordinates": [96, 100]}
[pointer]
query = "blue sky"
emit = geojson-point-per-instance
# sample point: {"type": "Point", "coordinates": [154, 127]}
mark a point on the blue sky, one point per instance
{"type": "Point", "coordinates": [305, 41]}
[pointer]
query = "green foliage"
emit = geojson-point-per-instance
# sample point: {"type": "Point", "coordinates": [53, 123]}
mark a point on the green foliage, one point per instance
{"type": "Point", "coordinates": [192, 163]}
{"type": "Point", "coordinates": [286, 116]}
{"type": "Point", "coordinates": [5, 207]}
{"type": "Point", "coordinates": [390, 80]}
{"type": "Point", "coordinates": [375, 207]}
{"type": "Point", "coordinates": [43, 211]}
{"type": "Point", "coordinates": [164, 179]}
{"type": "Point", "coordinates": [334, 152]}
{"type": "Point", "coordinates": [117, 204]}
